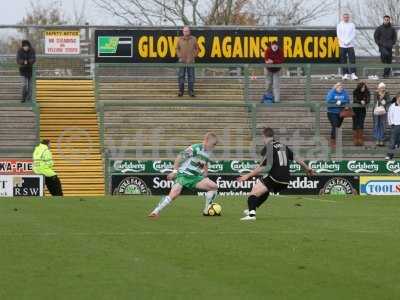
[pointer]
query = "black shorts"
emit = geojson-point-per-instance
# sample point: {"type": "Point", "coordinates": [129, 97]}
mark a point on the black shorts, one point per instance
{"type": "Point", "coordinates": [273, 185]}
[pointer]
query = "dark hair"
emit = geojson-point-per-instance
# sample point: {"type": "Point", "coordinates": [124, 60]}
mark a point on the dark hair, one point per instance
{"type": "Point", "coordinates": [360, 85]}
{"type": "Point", "coordinates": [45, 142]}
{"type": "Point", "coordinates": [26, 43]}
{"type": "Point", "coordinates": [386, 16]}
{"type": "Point", "coordinates": [268, 132]}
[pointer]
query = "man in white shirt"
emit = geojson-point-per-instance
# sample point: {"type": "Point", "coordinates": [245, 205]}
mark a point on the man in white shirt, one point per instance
{"type": "Point", "coordinates": [393, 117]}
{"type": "Point", "coordinates": [346, 33]}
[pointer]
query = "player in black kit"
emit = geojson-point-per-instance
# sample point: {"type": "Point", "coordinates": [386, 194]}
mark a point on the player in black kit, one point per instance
{"type": "Point", "coordinates": [275, 172]}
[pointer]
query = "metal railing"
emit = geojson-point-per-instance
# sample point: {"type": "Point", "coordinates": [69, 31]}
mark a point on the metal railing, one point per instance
{"type": "Point", "coordinates": [245, 81]}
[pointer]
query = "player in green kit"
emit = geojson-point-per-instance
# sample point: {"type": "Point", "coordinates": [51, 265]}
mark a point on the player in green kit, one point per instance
{"type": "Point", "coordinates": [190, 171]}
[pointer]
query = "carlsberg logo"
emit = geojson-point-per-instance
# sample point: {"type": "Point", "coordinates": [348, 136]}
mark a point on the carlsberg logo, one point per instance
{"type": "Point", "coordinates": [324, 166]}
{"type": "Point", "coordinates": [215, 167]}
{"type": "Point", "coordinates": [295, 168]}
{"type": "Point", "coordinates": [243, 166]}
{"type": "Point", "coordinates": [393, 166]}
{"type": "Point", "coordinates": [129, 166]}
{"type": "Point", "coordinates": [362, 166]}
{"type": "Point", "coordinates": [163, 166]}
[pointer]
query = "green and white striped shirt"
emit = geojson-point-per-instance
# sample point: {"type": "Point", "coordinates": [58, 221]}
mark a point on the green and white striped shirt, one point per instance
{"type": "Point", "coordinates": [195, 159]}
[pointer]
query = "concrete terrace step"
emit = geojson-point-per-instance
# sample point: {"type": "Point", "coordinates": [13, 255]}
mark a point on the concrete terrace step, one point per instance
{"type": "Point", "coordinates": [194, 126]}
{"type": "Point", "coordinates": [171, 91]}
{"type": "Point", "coordinates": [162, 85]}
{"type": "Point", "coordinates": [161, 97]}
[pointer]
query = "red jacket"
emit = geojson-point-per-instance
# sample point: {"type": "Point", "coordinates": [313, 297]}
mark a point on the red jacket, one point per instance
{"type": "Point", "coordinates": [275, 56]}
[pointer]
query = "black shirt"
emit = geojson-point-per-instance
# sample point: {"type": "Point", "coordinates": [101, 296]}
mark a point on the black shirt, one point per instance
{"type": "Point", "coordinates": [278, 164]}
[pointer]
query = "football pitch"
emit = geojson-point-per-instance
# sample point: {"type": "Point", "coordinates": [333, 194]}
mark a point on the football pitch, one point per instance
{"type": "Point", "coordinates": [107, 248]}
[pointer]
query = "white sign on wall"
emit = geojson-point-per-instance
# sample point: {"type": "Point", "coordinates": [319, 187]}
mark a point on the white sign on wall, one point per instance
{"type": "Point", "coordinates": [62, 42]}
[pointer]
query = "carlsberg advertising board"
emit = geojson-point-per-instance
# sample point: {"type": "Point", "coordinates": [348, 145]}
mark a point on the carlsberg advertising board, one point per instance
{"type": "Point", "coordinates": [374, 167]}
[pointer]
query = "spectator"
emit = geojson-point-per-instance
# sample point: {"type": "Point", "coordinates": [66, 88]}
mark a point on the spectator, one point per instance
{"type": "Point", "coordinates": [26, 58]}
{"type": "Point", "coordinates": [385, 37]}
{"type": "Point", "coordinates": [394, 123]}
{"type": "Point", "coordinates": [273, 55]}
{"type": "Point", "coordinates": [346, 33]}
{"type": "Point", "coordinates": [336, 99]}
{"type": "Point", "coordinates": [187, 51]}
{"type": "Point", "coordinates": [381, 101]}
{"type": "Point", "coordinates": [361, 96]}
{"type": "Point", "coordinates": [43, 165]}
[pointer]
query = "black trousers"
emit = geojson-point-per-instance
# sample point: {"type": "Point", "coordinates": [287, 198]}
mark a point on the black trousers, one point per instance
{"type": "Point", "coordinates": [386, 58]}
{"type": "Point", "coordinates": [359, 117]}
{"type": "Point", "coordinates": [53, 184]}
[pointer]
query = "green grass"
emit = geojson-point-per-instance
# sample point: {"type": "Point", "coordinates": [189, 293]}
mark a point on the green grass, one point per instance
{"type": "Point", "coordinates": [106, 248]}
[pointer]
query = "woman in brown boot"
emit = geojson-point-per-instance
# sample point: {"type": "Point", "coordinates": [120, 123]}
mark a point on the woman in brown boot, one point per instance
{"type": "Point", "coordinates": [381, 101]}
{"type": "Point", "coordinates": [361, 96]}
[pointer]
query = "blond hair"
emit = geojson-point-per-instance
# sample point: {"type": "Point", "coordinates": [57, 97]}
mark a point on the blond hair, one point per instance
{"type": "Point", "coordinates": [210, 135]}
{"type": "Point", "coordinates": [337, 85]}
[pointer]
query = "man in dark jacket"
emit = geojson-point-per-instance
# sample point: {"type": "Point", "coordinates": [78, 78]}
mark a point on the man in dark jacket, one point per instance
{"type": "Point", "coordinates": [273, 55]}
{"type": "Point", "coordinates": [26, 57]}
{"type": "Point", "coordinates": [385, 37]}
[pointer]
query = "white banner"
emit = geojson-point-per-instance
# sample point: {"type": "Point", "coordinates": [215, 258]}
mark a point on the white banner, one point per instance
{"type": "Point", "coordinates": [62, 42]}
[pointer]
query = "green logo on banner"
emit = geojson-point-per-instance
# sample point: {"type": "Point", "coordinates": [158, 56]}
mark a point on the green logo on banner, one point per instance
{"type": "Point", "coordinates": [126, 166]}
{"type": "Point", "coordinates": [362, 166]}
{"type": "Point", "coordinates": [215, 167]}
{"type": "Point", "coordinates": [243, 166]}
{"type": "Point", "coordinates": [162, 166]}
{"type": "Point", "coordinates": [295, 167]}
{"type": "Point", "coordinates": [325, 166]}
{"type": "Point", "coordinates": [108, 44]}
{"type": "Point", "coordinates": [337, 186]}
{"type": "Point", "coordinates": [393, 166]}
{"type": "Point", "coordinates": [132, 186]}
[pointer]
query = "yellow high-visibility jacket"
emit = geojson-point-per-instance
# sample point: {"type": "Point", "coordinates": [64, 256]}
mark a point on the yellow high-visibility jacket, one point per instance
{"type": "Point", "coordinates": [43, 161]}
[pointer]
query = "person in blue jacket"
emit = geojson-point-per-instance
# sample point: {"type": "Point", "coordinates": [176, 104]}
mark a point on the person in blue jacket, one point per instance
{"type": "Point", "coordinates": [336, 100]}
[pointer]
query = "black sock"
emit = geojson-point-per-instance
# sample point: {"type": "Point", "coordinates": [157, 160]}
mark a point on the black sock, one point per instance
{"type": "Point", "coordinates": [252, 202]}
{"type": "Point", "coordinates": [262, 199]}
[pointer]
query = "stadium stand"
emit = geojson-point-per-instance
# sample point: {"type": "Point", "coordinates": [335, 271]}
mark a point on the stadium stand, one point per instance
{"type": "Point", "coordinates": [144, 118]}
{"type": "Point", "coordinates": [69, 119]}
{"type": "Point", "coordinates": [18, 127]}
{"type": "Point", "coordinates": [144, 131]}
{"type": "Point", "coordinates": [297, 122]}
{"type": "Point", "coordinates": [293, 91]}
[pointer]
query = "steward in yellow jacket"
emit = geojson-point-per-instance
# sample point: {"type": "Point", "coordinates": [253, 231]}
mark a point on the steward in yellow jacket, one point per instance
{"type": "Point", "coordinates": [43, 165]}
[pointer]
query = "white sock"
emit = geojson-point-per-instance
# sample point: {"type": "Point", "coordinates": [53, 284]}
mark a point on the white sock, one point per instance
{"type": "Point", "coordinates": [210, 197]}
{"type": "Point", "coordinates": [252, 213]}
{"type": "Point", "coordinates": [163, 203]}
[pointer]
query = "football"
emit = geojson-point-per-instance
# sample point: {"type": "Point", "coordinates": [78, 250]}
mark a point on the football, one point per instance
{"type": "Point", "coordinates": [214, 209]}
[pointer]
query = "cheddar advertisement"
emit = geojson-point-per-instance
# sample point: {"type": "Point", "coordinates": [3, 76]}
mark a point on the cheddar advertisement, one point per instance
{"type": "Point", "coordinates": [216, 46]}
